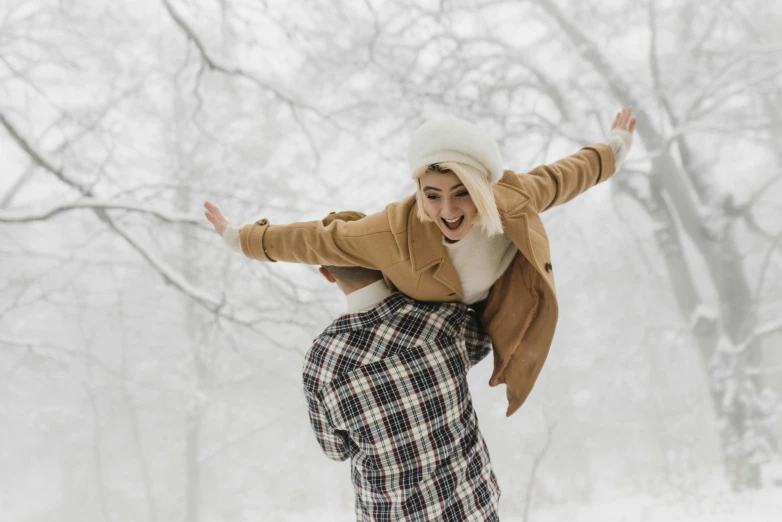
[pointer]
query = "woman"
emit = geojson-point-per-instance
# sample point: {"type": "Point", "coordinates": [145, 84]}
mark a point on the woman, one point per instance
{"type": "Point", "coordinates": [429, 247]}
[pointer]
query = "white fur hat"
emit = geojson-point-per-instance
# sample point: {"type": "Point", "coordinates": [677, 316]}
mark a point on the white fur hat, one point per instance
{"type": "Point", "coordinates": [452, 139]}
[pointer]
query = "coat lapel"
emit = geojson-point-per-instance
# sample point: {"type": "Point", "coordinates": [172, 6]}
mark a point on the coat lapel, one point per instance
{"type": "Point", "coordinates": [517, 229]}
{"type": "Point", "coordinates": [515, 214]}
{"type": "Point", "coordinates": [513, 207]}
{"type": "Point", "coordinates": [425, 244]}
{"type": "Point", "coordinates": [446, 274]}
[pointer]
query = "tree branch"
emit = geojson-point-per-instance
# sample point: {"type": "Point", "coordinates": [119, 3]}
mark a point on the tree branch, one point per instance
{"type": "Point", "coordinates": [169, 275]}
{"type": "Point", "coordinates": [40, 160]}
{"type": "Point", "coordinates": [26, 216]}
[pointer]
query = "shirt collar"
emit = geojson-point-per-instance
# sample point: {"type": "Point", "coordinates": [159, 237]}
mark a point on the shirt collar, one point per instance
{"type": "Point", "coordinates": [367, 297]}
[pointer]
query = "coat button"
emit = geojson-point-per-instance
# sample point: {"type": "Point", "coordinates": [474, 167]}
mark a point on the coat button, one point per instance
{"type": "Point", "coordinates": [549, 267]}
{"type": "Point", "coordinates": [263, 222]}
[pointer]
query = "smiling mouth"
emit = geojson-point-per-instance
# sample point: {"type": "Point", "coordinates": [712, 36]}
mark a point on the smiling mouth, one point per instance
{"type": "Point", "coordinates": [454, 223]}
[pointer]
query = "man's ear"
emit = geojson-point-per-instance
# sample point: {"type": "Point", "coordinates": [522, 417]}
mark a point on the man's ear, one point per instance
{"type": "Point", "coordinates": [325, 273]}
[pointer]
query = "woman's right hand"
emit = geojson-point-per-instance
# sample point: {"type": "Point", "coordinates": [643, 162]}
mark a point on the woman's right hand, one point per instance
{"type": "Point", "coordinates": [215, 217]}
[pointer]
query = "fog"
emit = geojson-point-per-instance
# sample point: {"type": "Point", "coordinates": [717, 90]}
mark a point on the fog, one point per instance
{"type": "Point", "coordinates": [147, 372]}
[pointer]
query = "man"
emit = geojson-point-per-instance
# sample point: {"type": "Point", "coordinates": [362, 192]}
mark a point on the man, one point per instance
{"type": "Point", "coordinates": [386, 386]}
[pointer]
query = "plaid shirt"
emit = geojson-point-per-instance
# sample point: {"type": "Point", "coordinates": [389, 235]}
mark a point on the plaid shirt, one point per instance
{"type": "Point", "coordinates": [387, 387]}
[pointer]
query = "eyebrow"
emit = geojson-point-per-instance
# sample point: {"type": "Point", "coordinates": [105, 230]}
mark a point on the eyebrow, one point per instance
{"type": "Point", "coordinates": [438, 190]}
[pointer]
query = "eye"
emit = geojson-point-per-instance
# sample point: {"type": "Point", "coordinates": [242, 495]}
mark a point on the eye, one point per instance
{"type": "Point", "coordinates": [462, 194]}
{"type": "Point", "coordinates": [432, 196]}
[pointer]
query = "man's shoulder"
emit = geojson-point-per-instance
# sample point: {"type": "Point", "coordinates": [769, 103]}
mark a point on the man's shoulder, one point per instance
{"type": "Point", "coordinates": [412, 321]}
{"type": "Point", "coordinates": [448, 310]}
{"type": "Point", "coordinates": [330, 355]}
{"type": "Point", "coordinates": [395, 323]}
{"type": "Point", "coordinates": [400, 307]}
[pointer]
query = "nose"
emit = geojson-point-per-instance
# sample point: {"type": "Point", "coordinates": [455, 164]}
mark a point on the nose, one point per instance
{"type": "Point", "coordinates": [448, 207]}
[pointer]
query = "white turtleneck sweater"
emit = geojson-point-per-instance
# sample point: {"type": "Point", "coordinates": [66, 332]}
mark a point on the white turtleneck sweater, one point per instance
{"type": "Point", "coordinates": [480, 260]}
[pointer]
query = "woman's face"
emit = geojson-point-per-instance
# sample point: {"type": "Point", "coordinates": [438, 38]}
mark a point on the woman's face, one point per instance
{"type": "Point", "coordinates": [448, 203]}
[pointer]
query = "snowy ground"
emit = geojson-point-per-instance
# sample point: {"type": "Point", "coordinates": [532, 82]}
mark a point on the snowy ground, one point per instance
{"type": "Point", "coordinates": [763, 506]}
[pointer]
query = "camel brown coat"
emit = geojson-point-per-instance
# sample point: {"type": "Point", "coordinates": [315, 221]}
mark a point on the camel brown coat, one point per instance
{"type": "Point", "coordinates": [521, 311]}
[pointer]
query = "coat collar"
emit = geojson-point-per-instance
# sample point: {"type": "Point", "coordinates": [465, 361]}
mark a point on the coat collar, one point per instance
{"type": "Point", "coordinates": [513, 205]}
{"type": "Point", "coordinates": [425, 244]}
{"type": "Point", "coordinates": [516, 213]}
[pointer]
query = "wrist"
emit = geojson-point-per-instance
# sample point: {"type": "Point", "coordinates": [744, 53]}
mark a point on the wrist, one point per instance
{"type": "Point", "coordinates": [231, 238]}
{"type": "Point", "coordinates": [619, 141]}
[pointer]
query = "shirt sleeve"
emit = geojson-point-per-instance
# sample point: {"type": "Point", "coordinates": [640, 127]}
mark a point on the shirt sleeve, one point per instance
{"type": "Point", "coordinates": [333, 442]}
{"type": "Point", "coordinates": [620, 142]}
{"type": "Point", "coordinates": [231, 238]}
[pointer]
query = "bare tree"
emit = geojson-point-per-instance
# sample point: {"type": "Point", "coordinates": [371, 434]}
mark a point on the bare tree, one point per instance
{"type": "Point", "coordinates": [681, 199]}
{"type": "Point", "coordinates": [117, 122]}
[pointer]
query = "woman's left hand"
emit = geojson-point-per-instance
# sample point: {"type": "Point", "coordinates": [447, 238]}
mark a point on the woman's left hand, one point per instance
{"type": "Point", "coordinates": [215, 217]}
{"type": "Point", "coordinates": [624, 120]}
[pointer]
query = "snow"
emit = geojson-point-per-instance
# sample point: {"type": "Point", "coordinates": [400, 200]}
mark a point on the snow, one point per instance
{"type": "Point", "coordinates": [761, 506]}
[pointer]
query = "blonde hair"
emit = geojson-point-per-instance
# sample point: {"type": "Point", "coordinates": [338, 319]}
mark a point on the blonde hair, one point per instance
{"type": "Point", "coordinates": [476, 182]}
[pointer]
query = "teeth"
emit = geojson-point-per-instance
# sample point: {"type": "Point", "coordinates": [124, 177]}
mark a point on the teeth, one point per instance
{"type": "Point", "coordinates": [453, 220]}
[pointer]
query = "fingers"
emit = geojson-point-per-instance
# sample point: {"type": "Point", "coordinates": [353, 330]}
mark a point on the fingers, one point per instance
{"type": "Point", "coordinates": [213, 210]}
{"type": "Point", "coordinates": [624, 117]}
{"type": "Point", "coordinates": [624, 120]}
{"type": "Point", "coordinates": [214, 216]}
{"type": "Point", "coordinates": [209, 210]}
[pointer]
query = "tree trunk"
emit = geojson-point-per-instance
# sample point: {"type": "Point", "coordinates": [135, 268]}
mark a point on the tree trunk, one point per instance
{"type": "Point", "coordinates": [719, 335]}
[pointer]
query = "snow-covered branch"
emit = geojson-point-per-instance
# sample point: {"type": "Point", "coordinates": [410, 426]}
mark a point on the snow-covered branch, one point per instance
{"type": "Point", "coordinates": [100, 209]}
{"type": "Point", "coordinates": [276, 87]}
{"type": "Point", "coordinates": [25, 215]}
{"type": "Point", "coordinates": [39, 159]}
{"type": "Point", "coordinates": [284, 92]}
{"type": "Point", "coordinates": [766, 329]}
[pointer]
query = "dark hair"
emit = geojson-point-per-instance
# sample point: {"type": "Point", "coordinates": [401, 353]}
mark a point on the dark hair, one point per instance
{"type": "Point", "coordinates": [349, 274]}
{"type": "Point", "coordinates": [353, 274]}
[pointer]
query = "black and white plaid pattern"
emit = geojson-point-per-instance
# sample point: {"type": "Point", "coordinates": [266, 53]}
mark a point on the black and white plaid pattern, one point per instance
{"type": "Point", "coordinates": [388, 388]}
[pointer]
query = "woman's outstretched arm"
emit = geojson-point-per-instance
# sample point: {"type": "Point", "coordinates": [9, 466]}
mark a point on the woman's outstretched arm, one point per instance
{"type": "Point", "coordinates": [552, 185]}
{"type": "Point", "coordinates": [376, 241]}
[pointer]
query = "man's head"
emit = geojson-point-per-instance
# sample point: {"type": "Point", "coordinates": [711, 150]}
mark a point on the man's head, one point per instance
{"type": "Point", "coordinates": [348, 278]}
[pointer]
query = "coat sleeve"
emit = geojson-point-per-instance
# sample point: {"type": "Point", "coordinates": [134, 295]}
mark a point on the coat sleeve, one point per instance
{"type": "Point", "coordinates": [371, 242]}
{"type": "Point", "coordinates": [552, 185]}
